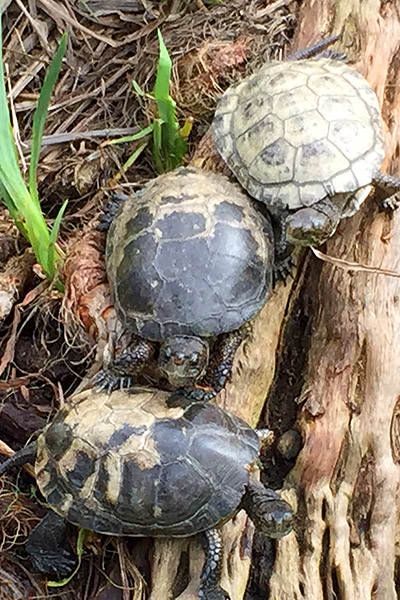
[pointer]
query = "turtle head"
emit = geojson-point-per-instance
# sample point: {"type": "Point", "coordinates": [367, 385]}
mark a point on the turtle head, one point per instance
{"type": "Point", "coordinates": [271, 515]}
{"type": "Point", "coordinates": [310, 227]}
{"type": "Point", "coordinates": [183, 359]}
{"type": "Point", "coordinates": [275, 520]}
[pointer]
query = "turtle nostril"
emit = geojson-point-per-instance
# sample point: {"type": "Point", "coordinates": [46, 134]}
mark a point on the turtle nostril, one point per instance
{"type": "Point", "coordinates": [178, 360]}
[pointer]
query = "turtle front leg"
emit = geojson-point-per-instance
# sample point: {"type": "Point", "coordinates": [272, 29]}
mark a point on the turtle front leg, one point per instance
{"type": "Point", "coordinates": [271, 515]}
{"type": "Point", "coordinates": [283, 263]}
{"type": "Point", "coordinates": [110, 211]}
{"type": "Point", "coordinates": [49, 549]}
{"type": "Point", "coordinates": [389, 185]}
{"type": "Point", "coordinates": [124, 366]}
{"type": "Point", "coordinates": [211, 574]}
{"type": "Point", "coordinates": [219, 368]}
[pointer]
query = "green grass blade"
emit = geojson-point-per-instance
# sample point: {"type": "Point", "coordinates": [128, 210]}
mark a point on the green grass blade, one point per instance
{"type": "Point", "coordinates": [172, 146]}
{"type": "Point", "coordinates": [135, 136]}
{"type": "Point", "coordinates": [8, 201]}
{"type": "Point", "coordinates": [134, 156]}
{"type": "Point", "coordinates": [41, 113]}
{"type": "Point", "coordinates": [24, 207]}
{"type": "Point", "coordinates": [33, 223]}
{"type": "Point", "coordinates": [138, 89]}
{"type": "Point", "coordinates": [161, 88]}
{"type": "Point", "coordinates": [157, 146]}
{"type": "Point", "coordinates": [8, 152]}
{"type": "Point", "coordinates": [15, 192]}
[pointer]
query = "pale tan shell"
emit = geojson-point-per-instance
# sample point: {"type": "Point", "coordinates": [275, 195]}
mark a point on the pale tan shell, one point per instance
{"type": "Point", "coordinates": [297, 131]}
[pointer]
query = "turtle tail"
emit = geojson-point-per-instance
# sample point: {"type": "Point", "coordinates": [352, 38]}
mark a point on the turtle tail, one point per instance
{"type": "Point", "coordinates": [26, 454]}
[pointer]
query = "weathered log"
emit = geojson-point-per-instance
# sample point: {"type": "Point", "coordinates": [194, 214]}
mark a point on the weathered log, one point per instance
{"type": "Point", "coordinates": [347, 476]}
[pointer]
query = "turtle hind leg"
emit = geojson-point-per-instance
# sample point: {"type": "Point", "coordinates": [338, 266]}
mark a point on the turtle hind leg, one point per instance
{"type": "Point", "coordinates": [284, 262]}
{"type": "Point", "coordinates": [211, 574]}
{"type": "Point", "coordinates": [219, 368]}
{"type": "Point", "coordinates": [389, 186]}
{"type": "Point", "coordinates": [319, 49]}
{"type": "Point", "coordinates": [49, 549]}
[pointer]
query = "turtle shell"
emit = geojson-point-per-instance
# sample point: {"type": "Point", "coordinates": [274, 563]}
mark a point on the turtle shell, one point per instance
{"type": "Point", "coordinates": [297, 131]}
{"type": "Point", "coordinates": [191, 255]}
{"type": "Point", "coordinates": [126, 464]}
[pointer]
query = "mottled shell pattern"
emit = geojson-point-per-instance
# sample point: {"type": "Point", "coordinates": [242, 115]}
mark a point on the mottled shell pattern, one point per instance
{"type": "Point", "coordinates": [191, 255]}
{"type": "Point", "coordinates": [126, 464]}
{"type": "Point", "coordinates": [297, 131]}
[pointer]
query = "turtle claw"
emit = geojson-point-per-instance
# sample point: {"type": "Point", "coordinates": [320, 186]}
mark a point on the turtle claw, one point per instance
{"type": "Point", "coordinates": [57, 565]}
{"type": "Point", "coordinates": [108, 381]}
{"type": "Point", "coordinates": [49, 549]}
{"type": "Point", "coordinates": [391, 204]}
{"type": "Point", "coordinates": [200, 394]}
{"type": "Point", "coordinates": [183, 397]}
{"type": "Point", "coordinates": [213, 594]}
{"type": "Point", "coordinates": [110, 211]}
{"type": "Point", "coordinates": [283, 269]}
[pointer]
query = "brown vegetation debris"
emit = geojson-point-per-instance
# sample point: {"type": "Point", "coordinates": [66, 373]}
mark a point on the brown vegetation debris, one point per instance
{"type": "Point", "coordinates": [17, 518]}
{"type": "Point", "coordinates": [83, 271]}
{"type": "Point", "coordinates": [202, 73]}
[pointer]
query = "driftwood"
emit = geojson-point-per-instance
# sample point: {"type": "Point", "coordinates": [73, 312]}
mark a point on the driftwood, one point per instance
{"type": "Point", "coordinates": [347, 475]}
{"type": "Point", "coordinates": [345, 483]}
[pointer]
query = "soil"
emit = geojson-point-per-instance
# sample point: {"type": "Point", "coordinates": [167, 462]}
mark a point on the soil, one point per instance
{"type": "Point", "coordinates": [48, 341]}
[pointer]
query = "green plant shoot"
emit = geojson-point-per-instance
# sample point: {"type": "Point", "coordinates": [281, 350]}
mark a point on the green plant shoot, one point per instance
{"type": "Point", "coordinates": [169, 147]}
{"type": "Point", "coordinates": [169, 144]}
{"type": "Point", "coordinates": [79, 551]}
{"type": "Point", "coordinates": [22, 201]}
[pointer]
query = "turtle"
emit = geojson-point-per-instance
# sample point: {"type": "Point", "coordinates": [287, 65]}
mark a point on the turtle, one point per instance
{"type": "Point", "coordinates": [148, 462]}
{"type": "Point", "coordinates": [304, 137]}
{"type": "Point", "coordinates": [190, 261]}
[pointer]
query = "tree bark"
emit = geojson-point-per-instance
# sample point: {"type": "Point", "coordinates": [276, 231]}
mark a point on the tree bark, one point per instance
{"type": "Point", "coordinates": [346, 478]}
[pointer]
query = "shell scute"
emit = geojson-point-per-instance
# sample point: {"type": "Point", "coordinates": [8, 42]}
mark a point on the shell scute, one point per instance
{"type": "Point", "coordinates": [160, 286]}
{"type": "Point", "coordinates": [332, 132]}
{"type": "Point", "coordinates": [179, 474]}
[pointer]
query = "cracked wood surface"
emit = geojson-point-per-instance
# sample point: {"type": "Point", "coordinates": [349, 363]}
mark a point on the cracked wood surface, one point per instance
{"type": "Point", "coordinates": [347, 475]}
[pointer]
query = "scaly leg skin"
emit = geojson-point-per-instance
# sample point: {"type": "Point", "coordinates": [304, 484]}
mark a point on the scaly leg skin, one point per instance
{"type": "Point", "coordinates": [271, 515]}
{"type": "Point", "coordinates": [389, 185]}
{"type": "Point", "coordinates": [110, 211]}
{"type": "Point", "coordinates": [284, 263]}
{"type": "Point", "coordinates": [211, 574]}
{"type": "Point", "coordinates": [220, 365]}
{"type": "Point", "coordinates": [318, 49]}
{"type": "Point", "coordinates": [49, 549]}
{"type": "Point", "coordinates": [124, 366]}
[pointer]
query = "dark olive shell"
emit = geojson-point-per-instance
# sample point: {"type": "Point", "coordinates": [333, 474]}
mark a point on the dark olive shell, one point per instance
{"type": "Point", "coordinates": [191, 255]}
{"type": "Point", "coordinates": [126, 464]}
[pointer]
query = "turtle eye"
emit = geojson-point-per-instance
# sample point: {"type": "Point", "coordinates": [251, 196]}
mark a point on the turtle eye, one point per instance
{"type": "Point", "coordinates": [194, 358]}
